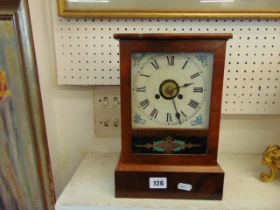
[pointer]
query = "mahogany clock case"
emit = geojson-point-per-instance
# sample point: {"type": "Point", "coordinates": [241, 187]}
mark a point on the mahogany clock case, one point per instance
{"type": "Point", "coordinates": [130, 43]}
{"type": "Point", "coordinates": [202, 172]}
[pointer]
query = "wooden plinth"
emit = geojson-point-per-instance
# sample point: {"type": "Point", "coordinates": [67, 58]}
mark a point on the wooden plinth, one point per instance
{"type": "Point", "coordinates": [132, 181]}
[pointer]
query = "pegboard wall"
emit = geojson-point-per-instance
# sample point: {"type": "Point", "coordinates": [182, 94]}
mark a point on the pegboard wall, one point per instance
{"type": "Point", "coordinates": [87, 54]}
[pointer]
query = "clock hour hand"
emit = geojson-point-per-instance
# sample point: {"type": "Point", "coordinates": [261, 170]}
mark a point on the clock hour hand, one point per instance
{"type": "Point", "coordinates": [186, 85]}
{"type": "Point", "coordinates": [177, 113]}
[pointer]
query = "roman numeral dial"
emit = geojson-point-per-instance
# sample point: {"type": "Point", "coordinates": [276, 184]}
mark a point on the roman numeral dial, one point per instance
{"type": "Point", "coordinates": [185, 64]}
{"type": "Point", "coordinates": [195, 75]}
{"type": "Point", "coordinates": [194, 104]}
{"type": "Point", "coordinates": [155, 64]}
{"type": "Point", "coordinates": [169, 90]}
{"type": "Point", "coordinates": [198, 89]}
{"type": "Point", "coordinates": [154, 113]}
{"type": "Point", "coordinates": [168, 117]}
{"type": "Point", "coordinates": [145, 103]}
{"type": "Point", "coordinates": [141, 89]}
{"type": "Point", "coordinates": [170, 60]}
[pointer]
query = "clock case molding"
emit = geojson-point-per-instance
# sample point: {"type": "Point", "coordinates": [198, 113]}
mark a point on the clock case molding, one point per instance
{"type": "Point", "coordinates": [133, 170]}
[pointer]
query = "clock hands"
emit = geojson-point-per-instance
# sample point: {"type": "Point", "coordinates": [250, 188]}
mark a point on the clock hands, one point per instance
{"type": "Point", "coordinates": [186, 85]}
{"type": "Point", "coordinates": [169, 90]}
{"type": "Point", "coordinates": [182, 86]}
{"type": "Point", "coordinates": [177, 113]}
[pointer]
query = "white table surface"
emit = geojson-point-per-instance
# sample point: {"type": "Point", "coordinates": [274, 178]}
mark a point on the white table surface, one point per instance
{"type": "Point", "coordinates": [92, 187]}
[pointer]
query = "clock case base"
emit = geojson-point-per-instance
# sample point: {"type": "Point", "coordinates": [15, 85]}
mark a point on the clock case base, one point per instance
{"type": "Point", "coordinates": [132, 181]}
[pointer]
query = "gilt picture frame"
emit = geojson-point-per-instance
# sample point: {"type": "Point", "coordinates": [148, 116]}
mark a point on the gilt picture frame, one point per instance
{"type": "Point", "coordinates": [26, 180]}
{"type": "Point", "coordinates": [170, 8]}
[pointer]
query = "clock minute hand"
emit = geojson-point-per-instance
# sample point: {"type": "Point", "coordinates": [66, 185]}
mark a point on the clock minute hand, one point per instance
{"type": "Point", "coordinates": [182, 86]}
{"type": "Point", "coordinates": [177, 113]}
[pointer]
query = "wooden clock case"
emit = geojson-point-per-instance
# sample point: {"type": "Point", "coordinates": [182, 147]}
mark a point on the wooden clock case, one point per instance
{"type": "Point", "coordinates": [202, 172]}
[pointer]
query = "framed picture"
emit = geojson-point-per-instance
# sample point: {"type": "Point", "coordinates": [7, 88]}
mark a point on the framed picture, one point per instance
{"type": "Point", "coordinates": [170, 8]}
{"type": "Point", "coordinates": [25, 172]}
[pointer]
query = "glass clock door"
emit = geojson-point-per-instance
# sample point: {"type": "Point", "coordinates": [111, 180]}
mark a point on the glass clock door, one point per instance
{"type": "Point", "coordinates": [171, 90]}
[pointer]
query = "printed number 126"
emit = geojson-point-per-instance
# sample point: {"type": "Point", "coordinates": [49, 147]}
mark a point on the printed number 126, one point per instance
{"type": "Point", "coordinates": [158, 183]}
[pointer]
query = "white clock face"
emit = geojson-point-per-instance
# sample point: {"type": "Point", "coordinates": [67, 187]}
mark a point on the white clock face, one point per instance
{"type": "Point", "coordinates": [171, 90]}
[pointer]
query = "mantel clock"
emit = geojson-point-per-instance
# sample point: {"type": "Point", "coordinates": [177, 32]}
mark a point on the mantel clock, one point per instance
{"type": "Point", "coordinates": [171, 89]}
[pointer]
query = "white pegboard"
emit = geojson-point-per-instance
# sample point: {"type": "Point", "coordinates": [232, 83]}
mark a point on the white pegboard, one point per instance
{"type": "Point", "coordinates": [87, 54]}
